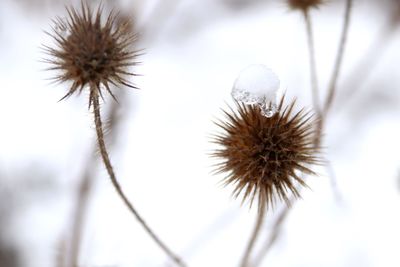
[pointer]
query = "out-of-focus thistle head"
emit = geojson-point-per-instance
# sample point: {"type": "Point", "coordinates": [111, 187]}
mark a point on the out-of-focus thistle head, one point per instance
{"type": "Point", "coordinates": [266, 157]}
{"type": "Point", "coordinates": [304, 4]}
{"type": "Point", "coordinates": [92, 51]}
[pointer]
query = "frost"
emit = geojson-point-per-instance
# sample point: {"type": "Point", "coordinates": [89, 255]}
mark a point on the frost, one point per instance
{"type": "Point", "coordinates": [257, 84]}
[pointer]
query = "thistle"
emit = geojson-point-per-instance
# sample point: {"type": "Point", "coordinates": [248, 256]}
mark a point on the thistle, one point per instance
{"type": "Point", "coordinates": [92, 54]}
{"type": "Point", "coordinates": [264, 157]}
{"type": "Point", "coordinates": [304, 4]}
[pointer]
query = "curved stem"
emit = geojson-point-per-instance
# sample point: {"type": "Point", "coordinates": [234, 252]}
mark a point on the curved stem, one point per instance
{"type": "Point", "coordinates": [254, 235]}
{"type": "Point", "coordinates": [339, 58]}
{"type": "Point", "coordinates": [84, 189]}
{"type": "Point", "coordinates": [117, 186]}
{"type": "Point", "coordinates": [313, 65]}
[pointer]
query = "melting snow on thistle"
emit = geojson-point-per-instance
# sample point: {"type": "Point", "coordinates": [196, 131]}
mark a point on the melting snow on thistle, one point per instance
{"type": "Point", "coordinates": [257, 84]}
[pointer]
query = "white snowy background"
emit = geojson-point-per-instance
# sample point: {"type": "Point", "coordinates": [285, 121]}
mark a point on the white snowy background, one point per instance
{"type": "Point", "coordinates": [194, 51]}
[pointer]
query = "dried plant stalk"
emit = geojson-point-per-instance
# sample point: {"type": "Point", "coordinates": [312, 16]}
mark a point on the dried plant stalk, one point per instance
{"type": "Point", "coordinates": [339, 59]}
{"type": "Point", "coordinates": [79, 215]}
{"type": "Point", "coordinates": [254, 237]}
{"type": "Point", "coordinates": [313, 65]}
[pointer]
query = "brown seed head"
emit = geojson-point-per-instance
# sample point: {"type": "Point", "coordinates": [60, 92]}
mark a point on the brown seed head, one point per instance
{"type": "Point", "coordinates": [265, 156]}
{"type": "Point", "coordinates": [304, 4]}
{"type": "Point", "coordinates": [92, 53]}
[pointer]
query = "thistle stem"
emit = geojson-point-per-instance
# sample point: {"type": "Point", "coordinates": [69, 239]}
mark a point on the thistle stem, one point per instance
{"type": "Point", "coordinates": [83, 191]}
{"type": "Point", "coordinates": [313, 65]}
{"type": "Point", "coordinates": [276, 228]}
{"type": "Point", "coordinates": [253, 238]}
{"type": "Point", "coordinates": [117, 186]}
{"type": "Point", "coordinates": [339, 58]}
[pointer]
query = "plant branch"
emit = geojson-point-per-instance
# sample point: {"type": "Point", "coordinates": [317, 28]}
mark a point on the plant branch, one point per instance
{"type": "Point", "coordinates": [333, 82]}
{"type": "Point", "coordinates": [362, 71]}
{"type": "Point", "coordinates": [276, 229]}
{"type": "Point", "coordinates": [313, 65]}
{"type": "Point", "coordinates": [254, 235]}
{"type": "Point", "coordinates": [339, 58]}
{"type": "Point", "coordinates": [117, 186]}
{"type": "Point", "coordinates": [80, 214]}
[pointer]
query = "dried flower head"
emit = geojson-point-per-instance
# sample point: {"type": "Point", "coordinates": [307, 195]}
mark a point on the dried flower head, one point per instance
{"type": "Point", "coordinates": [92, 53]}
{"type": "Point", "coordinates": [304, 4]}
{"type": "Point", "coordinates": [265, 156]}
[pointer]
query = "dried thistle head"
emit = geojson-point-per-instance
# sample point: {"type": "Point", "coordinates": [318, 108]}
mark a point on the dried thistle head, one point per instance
{"type": "Point", "coordinates": [304, 4]}
{"type": "Point", "coordinates": [264, 157]}
{"type": "Point", "coordinates": [92, 53]}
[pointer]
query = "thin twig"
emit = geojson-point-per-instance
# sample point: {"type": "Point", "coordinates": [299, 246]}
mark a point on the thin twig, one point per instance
{"type": "Point", "coordinates": [333, 82]}
{"type": "Point", "coordinates": [80, 215]}
{"type": "Point", "coordinates": [335, 190]}
{"type": "Point", "coordinates": [254, 235]}
{"type": "Point", "coordinates": [276, 229]}
{"type": "Point", "coordinates": [60, 259]}
{"type": "Point", "coordinates": [313, 65]}
{"type": "Point", "coordinates": [362, 71]}
{"type": "Point", "coordinates": [117, 186]}
{"type": "Point", "coordinates": [339, 59]}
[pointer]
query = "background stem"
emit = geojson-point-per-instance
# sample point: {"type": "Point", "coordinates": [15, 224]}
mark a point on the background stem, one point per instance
{"type": "Point", "coordinates": [79, 216]}
{"type": "Point", "coordinates": [339, 58]}
{"type": "Point", "coordinates": [313, 65]}
{"type": "Point", "coordinates": [254, 235]}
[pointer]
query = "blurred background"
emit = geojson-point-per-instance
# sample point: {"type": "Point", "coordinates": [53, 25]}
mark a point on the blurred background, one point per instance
{"type": "Point", "coordinates": [159, 138]}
